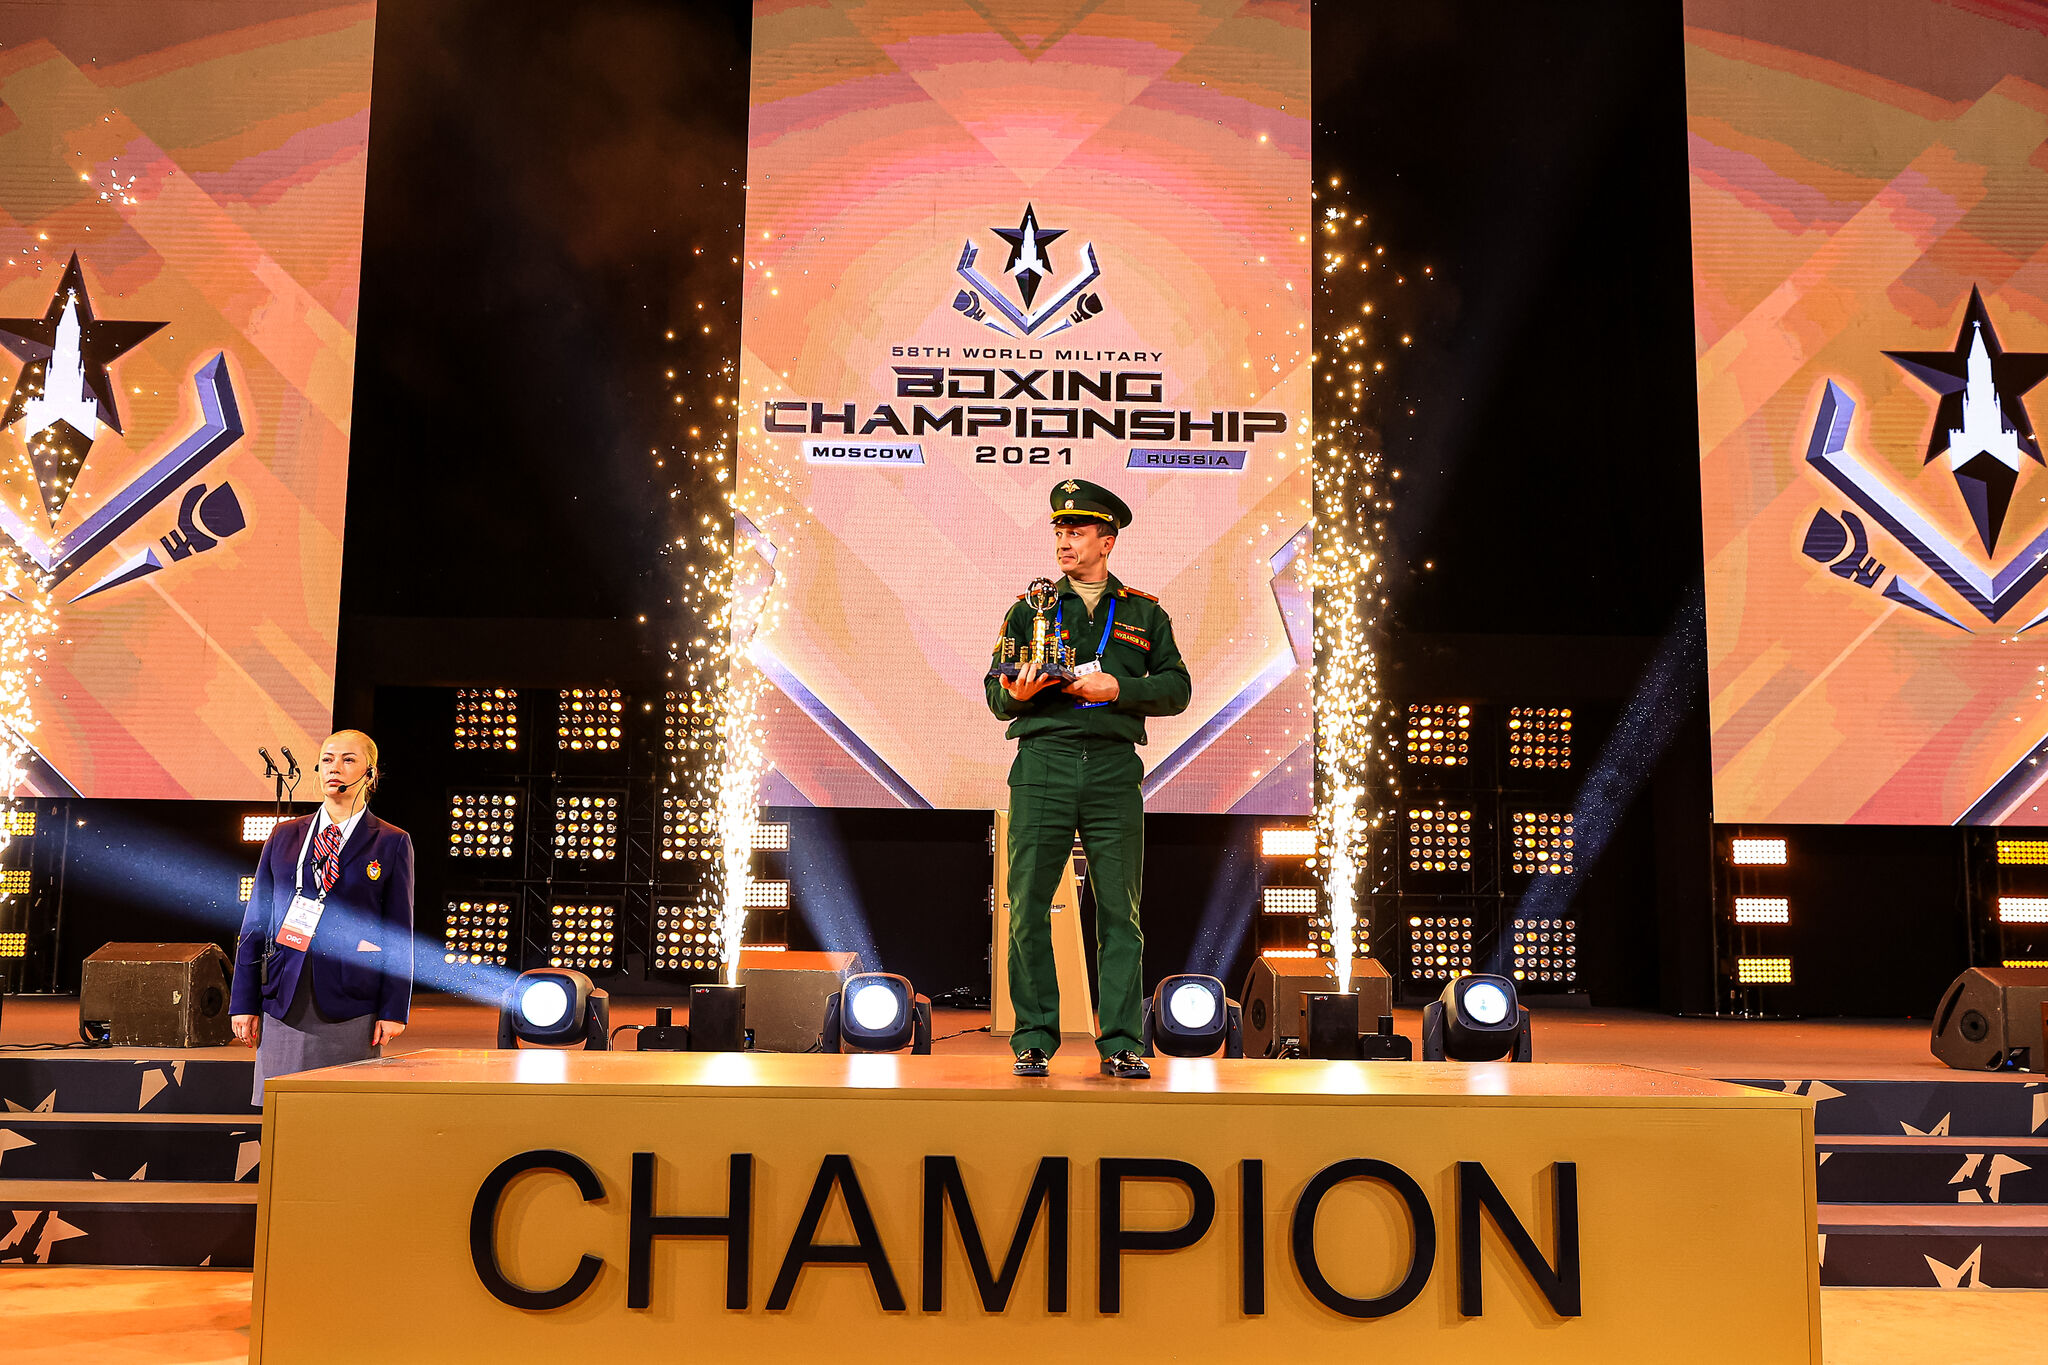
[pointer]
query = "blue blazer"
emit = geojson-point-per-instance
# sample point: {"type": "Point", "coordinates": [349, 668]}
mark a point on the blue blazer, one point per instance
{"type": "Point", "coordinates": [370, 904]}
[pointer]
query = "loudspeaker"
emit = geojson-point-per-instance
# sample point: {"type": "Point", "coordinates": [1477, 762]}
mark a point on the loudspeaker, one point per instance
{"type": "Point", "coordinates": [1992, 1018]}
{"type": "Point", "coordinates": [1273, 991]}
{"type": "Point", "coordinates": [787, 994]}
{"type": "Point", "coordinates": [158, 994]}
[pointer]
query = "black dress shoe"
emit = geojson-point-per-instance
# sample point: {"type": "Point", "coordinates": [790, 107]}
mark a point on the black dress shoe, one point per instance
{"type": "Point", "coordinates": [1032, 1061]}
{"type": "Point", "coordinates": [1126, 1066]}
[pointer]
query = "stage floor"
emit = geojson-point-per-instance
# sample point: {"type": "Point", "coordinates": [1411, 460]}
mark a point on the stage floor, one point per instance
{"type": "Point", "coordinates": [1852, 1049]}
{"type": "Point", "coordinates": [201, 1317]}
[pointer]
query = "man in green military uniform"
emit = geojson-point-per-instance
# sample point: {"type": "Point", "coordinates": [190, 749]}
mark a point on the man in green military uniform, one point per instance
{"type": "Point", "coordinates": [1076, 771]}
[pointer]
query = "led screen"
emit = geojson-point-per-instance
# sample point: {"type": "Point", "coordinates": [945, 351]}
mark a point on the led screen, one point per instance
{"type": "Point", "coordinates": [181, 204]}
{"type": "Point", "coordinates": [1869, 210]}
{"type": "Point", "coordinates": [992, 247]}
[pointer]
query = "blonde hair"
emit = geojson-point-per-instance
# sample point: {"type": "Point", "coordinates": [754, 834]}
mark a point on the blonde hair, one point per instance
{"type": "Point", "coordinates": [369, 748]}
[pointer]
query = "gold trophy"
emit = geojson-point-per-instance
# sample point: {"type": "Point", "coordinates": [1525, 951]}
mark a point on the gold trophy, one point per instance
{"type": "Point", "coordinates": [1054, 659]}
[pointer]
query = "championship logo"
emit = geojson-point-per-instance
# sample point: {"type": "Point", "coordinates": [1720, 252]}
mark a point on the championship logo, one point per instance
{"type": "Point", "coordinates": [64, 401]}
{"type": "Point", "coordinates": [1030, 266]}
{"type": "Point", "coordinates": [1984, 436]}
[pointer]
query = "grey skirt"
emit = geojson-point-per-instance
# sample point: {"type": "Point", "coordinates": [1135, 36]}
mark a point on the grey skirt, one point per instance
{"type": "Point", "coordinates": [305, 1040]}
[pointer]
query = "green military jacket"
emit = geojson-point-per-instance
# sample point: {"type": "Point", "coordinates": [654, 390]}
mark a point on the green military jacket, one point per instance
{"type": "Point", "coordinates": [1137, 647]}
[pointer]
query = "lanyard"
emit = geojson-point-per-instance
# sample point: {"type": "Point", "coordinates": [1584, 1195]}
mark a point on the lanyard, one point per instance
{"type": "Point", "coordinates": [1058, 615]}
{"type": "Point", "coordinates": [1100, 645]}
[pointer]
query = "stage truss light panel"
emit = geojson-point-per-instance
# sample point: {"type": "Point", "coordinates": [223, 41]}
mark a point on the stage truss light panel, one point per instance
{"type": "Point", "coordinates": [591, 720]}
{"type": "Point", "coordinates": [686, 938]}
{"type": "Point", "coordinates": [1763, 971]}
{"type": "Point", "coordinates": [1763, 910]}
{"type": "Point", "coordinates": [587, 828]}
{"type": "Point", "coordinates": [1439, 946]}
{"type": "Point", "coordinates": [2009, 962]}
{"type": "Point", "coordinates": [1540, 842]}
{"type": "Point", "coordinates": [1287, 841]}
{"type": "Point", "coordinates": [1540, 737]}
{"type": "Point", "coordinates": [1289, 900]}
{"type": "Point", "coordinates": [2023, 852]}
{"type": "Point", "coordinates": [21, 824]}
{"type": "Point", "coordinates": [689, 733]}
{"type": "Point", "coordinates": [1439, 840]}
{"type": "Point", "coordinates": [689, 830]}
{"type": "Point", "coordinates": [1439, 734]}
{"type": "Point", "coordinates": [762, 895]}
{"type": "Point", "coordinates": [1757, 852]}
{"type": "Point", "coordinates": [487, 719]}
{"type": "Point", "coordinates": [2023, 910]}
{"type": "Point", "coordinates": [1546, 951]}
{"type": "Point", "coordinates": [248, 889]}
{"type": "Point", "coordinates": [14, 944]}
{"type": "Point", "coordinates": [481, 824]}
{"type": "Point", "coordinates": [478, 934]}
{"type": "Point", "coordinates": [581, 935]}
{"type": "Point", "coordinates": [771, 837]}
{"type": "Point", "coordinates": [256, 828]}
{"type": "Point", "coordinates": [15, 881]}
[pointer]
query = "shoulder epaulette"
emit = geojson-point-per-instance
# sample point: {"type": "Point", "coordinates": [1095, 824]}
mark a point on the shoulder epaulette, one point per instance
{"type": "Point", "coordinates": [1133, 592]}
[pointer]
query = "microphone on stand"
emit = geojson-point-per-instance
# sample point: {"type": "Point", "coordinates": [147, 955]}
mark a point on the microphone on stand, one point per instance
{"type": "Point", "coordinates": [292, 761]}
{"type": "Point", "coordinates": [270, 764]}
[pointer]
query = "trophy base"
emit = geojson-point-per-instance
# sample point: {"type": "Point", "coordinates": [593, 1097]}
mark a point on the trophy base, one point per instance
{"type": "Point", "coordinates": [1010, 672]}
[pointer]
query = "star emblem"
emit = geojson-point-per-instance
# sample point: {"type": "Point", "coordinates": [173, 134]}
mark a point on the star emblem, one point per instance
{"type": "Point", "coordinates": [1029, 260]}
{"type": "Point", "coordinates": [1983, 428]}
{"type": "Point", "coordinates": [100, 341]}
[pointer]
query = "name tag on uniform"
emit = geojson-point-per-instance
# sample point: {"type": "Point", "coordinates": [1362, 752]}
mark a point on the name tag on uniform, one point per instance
{"type": "Point", "coordinates": [1083, 670]}
{"type": "Point", "coordinates": [300, 922]}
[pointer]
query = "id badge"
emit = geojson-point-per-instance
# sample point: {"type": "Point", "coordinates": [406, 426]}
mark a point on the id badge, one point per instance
{"type": "Point", "coordinates": [1083, 670]}
{"type": "Point", "coordinates": [300, 922]}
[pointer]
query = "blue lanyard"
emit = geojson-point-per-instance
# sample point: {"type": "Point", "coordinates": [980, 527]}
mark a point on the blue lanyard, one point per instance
{"type": "Point", "coordinates": [1058, 617]}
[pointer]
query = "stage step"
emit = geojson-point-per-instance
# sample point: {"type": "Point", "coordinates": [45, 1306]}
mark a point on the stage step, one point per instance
{"type": "Point", "coordinates": [1902, 1170]}
{"type": "Point", "coordinates": [215, 1080]}
{"type": "Point", "coordinates": [127, 1223]}
{"type": "Point", "coordinates": [1957, 1106]}
{"type": "Point", "coordinates": [220, 1148]}
{"type": "Point", "coordinates": [1934, 1246]}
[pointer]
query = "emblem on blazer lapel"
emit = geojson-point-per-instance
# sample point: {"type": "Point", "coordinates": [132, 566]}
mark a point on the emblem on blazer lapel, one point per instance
{"type": "Point", "coordinates": [376, 869]}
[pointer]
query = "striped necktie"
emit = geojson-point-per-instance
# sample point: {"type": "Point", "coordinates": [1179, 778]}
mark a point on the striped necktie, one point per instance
{"type": "Point", "coordinates": [325, 848]}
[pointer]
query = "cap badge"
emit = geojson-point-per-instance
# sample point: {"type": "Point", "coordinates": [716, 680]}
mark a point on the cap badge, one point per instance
{"type": "Point", "coordinates": [1069, 503]}
{"type": "Point", "coordinates": [1070, 487]}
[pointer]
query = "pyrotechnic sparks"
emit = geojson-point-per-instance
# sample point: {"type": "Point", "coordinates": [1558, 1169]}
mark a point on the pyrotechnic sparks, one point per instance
{"type": "Point", "coordinates": [1351, 503]}
{"type": "Point", "coordinates": [27, 614]}
{"type": "Point", "coordinates": [725, 588]}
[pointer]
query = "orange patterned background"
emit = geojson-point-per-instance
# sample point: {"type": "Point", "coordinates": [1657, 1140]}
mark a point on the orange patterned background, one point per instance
{"type": "Point", "coordinates": [205, 163]}
{"type": "Point", "coordinates": [1857, 168]}
{"type": "Point", "coordinates": [1173, 136]}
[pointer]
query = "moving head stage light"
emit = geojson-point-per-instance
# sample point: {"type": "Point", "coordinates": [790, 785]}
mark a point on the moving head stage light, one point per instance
{"type": "Point", "coordinates": [1476, 1019]}
{"type": "Point", "coordinates": [555, 1007]}
{"type": "Point", "coordinates": [877, 1012]}
{"type": "Point", "coordinates": [1190, 1016]}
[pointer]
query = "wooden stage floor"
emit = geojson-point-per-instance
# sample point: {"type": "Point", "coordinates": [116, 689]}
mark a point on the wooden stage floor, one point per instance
{"type": "Point", "coordinates": [170, 1317]}
{"type": "Point", "coordinates": [1886, 1049]}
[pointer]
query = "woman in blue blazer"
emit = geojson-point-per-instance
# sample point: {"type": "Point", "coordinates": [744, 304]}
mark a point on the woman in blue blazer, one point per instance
{"type": "Point", "coordinates": [326, 946]}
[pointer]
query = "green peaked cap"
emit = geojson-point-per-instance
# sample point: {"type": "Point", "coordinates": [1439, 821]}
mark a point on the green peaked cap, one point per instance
{"type": "Point", "coordinates": [1080, 498]}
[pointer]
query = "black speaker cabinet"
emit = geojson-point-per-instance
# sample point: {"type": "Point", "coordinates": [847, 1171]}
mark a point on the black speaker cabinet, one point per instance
{"type": "Point", "coordinates": [158, 994]}
{"type": "Point", "coordinates": [787, 994]}
{"type": "Point", "coordinates": [1273, 1004]}
{"type": "Point", "coordinates": [1994, 1017]}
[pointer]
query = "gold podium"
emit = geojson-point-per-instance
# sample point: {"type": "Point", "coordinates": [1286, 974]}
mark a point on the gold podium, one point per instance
{"type": "Point", "coordinates": [1069, 949]}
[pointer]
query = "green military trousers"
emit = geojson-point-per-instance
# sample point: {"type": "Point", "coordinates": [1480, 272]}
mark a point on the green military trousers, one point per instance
{"type": "Point", "coordinates": [1059, 787]}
